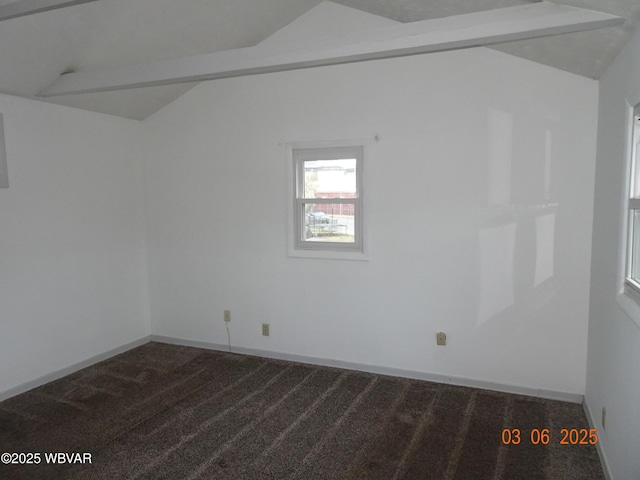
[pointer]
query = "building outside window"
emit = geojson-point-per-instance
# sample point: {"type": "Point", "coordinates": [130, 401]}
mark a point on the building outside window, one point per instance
{"type": "Point", "coordinates": [328, 200]}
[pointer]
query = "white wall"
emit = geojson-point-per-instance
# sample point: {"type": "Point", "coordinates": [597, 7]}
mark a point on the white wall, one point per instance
{"type": "Point", "coordinates": [481, 216]}
{"type": "Point", "coordinates": [73, 273]}
{"type": "Point", "coordinates": [613, 374]}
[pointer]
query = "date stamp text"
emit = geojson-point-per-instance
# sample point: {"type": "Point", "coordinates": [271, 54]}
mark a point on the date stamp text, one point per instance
{"type": "Point", "coordinates": [543, 436]}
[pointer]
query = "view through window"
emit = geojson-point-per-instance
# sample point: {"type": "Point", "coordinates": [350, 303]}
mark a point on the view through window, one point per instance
{"type": "Point", "coordinates": [328, 198]}
{"type": "Point", "coordinates": [330, 179]}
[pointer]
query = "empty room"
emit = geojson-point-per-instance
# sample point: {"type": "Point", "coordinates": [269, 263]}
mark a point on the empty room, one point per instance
{"type": "Point", "coordinates": [306, 239]}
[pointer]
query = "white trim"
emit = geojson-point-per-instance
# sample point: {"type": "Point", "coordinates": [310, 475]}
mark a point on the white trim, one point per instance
{"type": "Point", "coordinates": [630, 306]}
{"type": "Point", "coordinates": [4, 172]}
{"type": "Point", "coordinates": [299, 157]}
{"type": "Point", "coordinates": [379, 369]}
{"type": "Point", "coordinates": [599, 448]}
{"type": "Point", "coordinates": [63, 372]}
{"type": "Point", "coordinates": [324, 250]}
{"type": "Point", "coordinates": [221, 347]}
{"type": "Point", "coordinates": [29, 7]}
{"type": "Point", "coordinates": [475, 29]}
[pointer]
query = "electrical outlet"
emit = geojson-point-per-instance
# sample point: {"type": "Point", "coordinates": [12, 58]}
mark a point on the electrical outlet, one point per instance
{"type": "Point", "coordinates": [604, 418]}
{"type": "Point", "coordinates": [227, 316]}
{"type": "Point", "coordinates": [441, 338]}
{"type": "Point", "coordinates": [265, 329]}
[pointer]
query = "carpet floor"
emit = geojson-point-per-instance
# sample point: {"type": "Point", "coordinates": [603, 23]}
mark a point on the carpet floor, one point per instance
{"type": "Point", "coordinates": [171, 412]}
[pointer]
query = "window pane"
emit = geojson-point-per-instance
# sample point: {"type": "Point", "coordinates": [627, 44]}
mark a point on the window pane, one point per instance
{"type": "Point", "coordinates": [635, 181]}
{"type": "Point", "coordinates": [330, 178]}
{"type": "Point", "coordinates": [329, 222]}
{"type": "Point", "coordinates": [634, 273]}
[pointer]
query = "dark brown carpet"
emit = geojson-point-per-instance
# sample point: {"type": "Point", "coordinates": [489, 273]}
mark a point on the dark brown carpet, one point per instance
{"type": "Point", "coordinates": [169, 412]}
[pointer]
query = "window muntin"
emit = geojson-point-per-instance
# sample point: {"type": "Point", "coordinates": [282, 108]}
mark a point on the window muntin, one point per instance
{"type": "Point", "coordinates": [328, 198]}
{"type": "Point", "coordinates": [632, 276]}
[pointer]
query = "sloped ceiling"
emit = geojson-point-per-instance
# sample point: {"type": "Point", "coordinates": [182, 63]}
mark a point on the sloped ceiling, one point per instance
{"type": "Point", "coordinates": [36, 49]}
{"type": "Point", "coordinates": [583, 53]}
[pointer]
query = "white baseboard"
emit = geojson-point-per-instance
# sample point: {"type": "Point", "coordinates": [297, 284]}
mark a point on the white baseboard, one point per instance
{"type": "Point", "coordinates": [603, 457]}
{"type": "Point", "coordinates": [50, 377]}
{"type": "Point", "coordinates": [394, 372]}
{"type": "Point", "coordinates": [382, 370]}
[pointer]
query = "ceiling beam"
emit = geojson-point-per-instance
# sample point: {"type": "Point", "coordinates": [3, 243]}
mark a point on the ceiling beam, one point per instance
{"type": "Point", "coordinates": [459, 31]}
{"type": "Point", "coordinates": [22, 8]}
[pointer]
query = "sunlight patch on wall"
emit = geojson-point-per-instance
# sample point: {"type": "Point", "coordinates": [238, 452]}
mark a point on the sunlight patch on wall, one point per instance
{"type": "Point", "coordinates": [496, 270]}
{"type": "Point", "coordinates": [500, 138]}
{"type": "Point", "coordinates": [545, 232]}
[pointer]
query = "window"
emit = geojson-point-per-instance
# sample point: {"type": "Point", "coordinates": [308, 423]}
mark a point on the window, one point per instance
{"type": "Point", "coordinates": [632, 277]}
{"type": "Point", "coordinates": [628, 296]}
{"type": "Point", "coordinates": [4, 176]}
{"type": "Point", "coordinates": [327, 217]}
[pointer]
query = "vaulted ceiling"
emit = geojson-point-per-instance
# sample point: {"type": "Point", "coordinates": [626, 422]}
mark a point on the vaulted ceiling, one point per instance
{"type": "Point", "coordinates": [36, 49]}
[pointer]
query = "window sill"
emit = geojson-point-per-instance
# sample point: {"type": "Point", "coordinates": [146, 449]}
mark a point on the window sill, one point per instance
{"type": "Point", "coordinates": [328, 255]}
{"type": "Point", "coordinates": [629, 301]}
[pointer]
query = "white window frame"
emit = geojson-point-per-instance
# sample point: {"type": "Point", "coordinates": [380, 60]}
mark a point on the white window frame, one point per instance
{"type": "Point", "coordinates": [297, 154]}
{"type": "Point", "coordinates": [633, 206]}
{"type": "Point", "coordinates": [628, 294]}
{"type": "Point", "coordinates": [4, 174]}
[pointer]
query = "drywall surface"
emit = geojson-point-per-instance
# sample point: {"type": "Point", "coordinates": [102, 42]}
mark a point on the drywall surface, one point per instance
{"type": "Point", "coordinates": [481, 193]}
{"type": "Point", "coordinates": [73, 276]}
{"type": "Point", "coordinates": [613, 372]}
